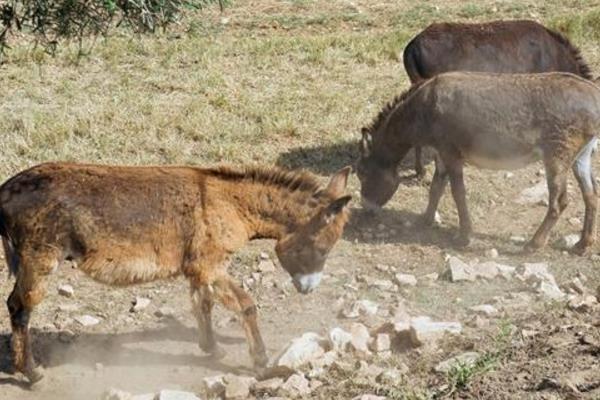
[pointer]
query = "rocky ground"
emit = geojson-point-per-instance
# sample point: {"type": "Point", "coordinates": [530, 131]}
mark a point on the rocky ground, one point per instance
{"type": "Point", "coordinates": [394, 318]}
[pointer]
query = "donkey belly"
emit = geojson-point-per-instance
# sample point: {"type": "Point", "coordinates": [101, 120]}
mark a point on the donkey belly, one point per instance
{"type": "Point", "coordinates": [120, 264]}
{"type": "Point", "coordinates": [501, 152]}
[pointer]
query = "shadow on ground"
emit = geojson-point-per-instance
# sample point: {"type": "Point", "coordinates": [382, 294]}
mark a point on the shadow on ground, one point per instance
{"type": "Point", "coordinates": [327, 159]}
{"type": "Point", "coordinates": [88, 349]}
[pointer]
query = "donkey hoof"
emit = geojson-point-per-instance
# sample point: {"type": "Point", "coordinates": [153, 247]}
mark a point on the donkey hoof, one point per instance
{"type": "Point", "coordinates": [34, 375]}
{"type": "Point", "coordinates": [580, 248]}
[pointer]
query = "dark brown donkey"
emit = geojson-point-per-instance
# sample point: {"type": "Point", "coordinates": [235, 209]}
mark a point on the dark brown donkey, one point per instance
{"type": "Point", "coordinates": [499, 121]}
{"type": "Point", "coordinates": [498, 46]}
{"type": "Point", "coordinates": [126, 225]}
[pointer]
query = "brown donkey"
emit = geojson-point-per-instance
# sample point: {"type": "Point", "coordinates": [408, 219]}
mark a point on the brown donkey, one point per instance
{"type": "Point", "coordinates": [126, 225]}
{"type": "Point", "coordinates": [520, 46]}
{"type": "Point", "coordinates": [498, 121]}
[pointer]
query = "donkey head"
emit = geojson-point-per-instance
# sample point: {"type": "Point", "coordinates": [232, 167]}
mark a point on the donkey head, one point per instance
{"type": "Point", "coordinates": [379, 178]}
{"type": "Point", "coordinates": [303, 251]}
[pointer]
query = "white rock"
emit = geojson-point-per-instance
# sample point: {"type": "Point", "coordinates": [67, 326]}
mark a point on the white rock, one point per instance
{"type": "Point", "coordinates": [360, 308]}
{"type": "Point", "coordinates": [434, 276]}
{"type": "Point", "coordinates": [381, 342]}
{"type": "Point", "coordinates": [508, 174]}
{"type": "Point", "coordinates": [175, 395]}
{"type": "Point", "coordinates": [340, 339]}
{"type": "Point", "coordinates": [264, 255]}
{"type": "Point", "coordinates": [214, 386]}
{"type": "Point", "coordinates": [116, 394]}
{"type": "Point", "coordinates": [537, 194]}
{"type": "Point", "coordinates": [568, 241]}
{"type": "Point", "coordinates": [369, 397]}
{"type": "Point", "coordinates": [145, 396]}
{"type": "Point", "coordinates": [437, 218]}
{"type": "Point", "coordinates": [269, 386]}
{"type": "Point", "coordinates": [382, 284]}
{"type": "Point", "coordinates": [466, 359]}
{"type": "Point", "coordinates": [139, 304]}
{"type": "Point", "coordinates": [491, 253]}
{"type": "Point", "coordinates": [238, 387]}
{"type": "Point", "coordinates": [326, 360]}
{"type": "Point", "coordinates": [266, 266]}
{"type": "Point", "coordinates": [87, 320]}
{"type": "Point", "coordinates": [406, 280]}
{"type": "Point", "coordinates": [484, 309]}
{"type": "Point", "coordinates": [66, 290]}
{"type": "Point", "coordinates": [459, 271]}
{"type": "Point", "coordinates": [295, 386]}
{"type": "Point", "coordinates": [301, 351]}
{"type": "Point", "coordinates": [518, 239]}
{"type": "Point", "coordinates": [541, 279]}
{"type": "Point", "coordinates": [424, 331]}
{"type": "Point", "coordinates": [360, 338]}
{"type": "Point", "coordinates": [582, 303]}
{"type": "Point", "coordinates": [550, 291]}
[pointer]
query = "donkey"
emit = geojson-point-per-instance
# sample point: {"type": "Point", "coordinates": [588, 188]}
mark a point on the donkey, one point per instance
{"type": "Point", "coordinates": [127, 225]}
{"type": "Point", "coordinates": [499, 46]}
{"type": "Point", "coordinates": [499, 121]}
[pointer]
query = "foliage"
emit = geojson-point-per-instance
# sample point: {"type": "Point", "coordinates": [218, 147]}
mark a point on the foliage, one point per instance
{"type": "Point", "coordinates": [52, 20]}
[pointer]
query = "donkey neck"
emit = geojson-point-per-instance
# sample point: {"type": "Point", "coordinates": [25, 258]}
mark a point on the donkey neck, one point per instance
{"type": "Point", "coordinates": [270, 211]}
{"type": "Point", "coordinates": [397, 136]}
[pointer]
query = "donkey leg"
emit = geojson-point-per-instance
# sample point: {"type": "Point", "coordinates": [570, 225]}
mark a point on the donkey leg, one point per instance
{"type": "Point", "coordinates": [557, 189]}
{"type": "Point", "coordinates": [459, 194]}
{"type": "Point", "coordinates": [202, 304]}
{"type": "Point", "coordinates": [582, 168]}
{"type": "Point", "coordinates": [237, 300]}
{"type": "Point", "coordinates": [28, 291]}
{"type": "Point", "coordinates": [436, 190]}
{"type": "Point", "coordinates": [419, 169]}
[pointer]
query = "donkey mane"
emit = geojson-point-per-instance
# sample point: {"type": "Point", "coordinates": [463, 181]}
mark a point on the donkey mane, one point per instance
{"type": "Point", "coordinates": [292, 180]}
{"type": "Point", "coordinates": [390, 106]}
{"type": "Point", "coordinates": [584, 69]}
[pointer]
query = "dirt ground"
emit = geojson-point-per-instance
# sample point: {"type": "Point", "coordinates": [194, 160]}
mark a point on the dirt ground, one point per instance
{"type": "Point", "coordinates": [146, 351]}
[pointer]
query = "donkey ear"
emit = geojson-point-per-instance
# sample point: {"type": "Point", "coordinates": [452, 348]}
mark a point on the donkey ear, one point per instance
{"type": "Point", "coordinates": [366, 142]}
{"type": "Point", "coordinates": [336, 207]}
{"type": "Point", "coordinates": [339, 180]}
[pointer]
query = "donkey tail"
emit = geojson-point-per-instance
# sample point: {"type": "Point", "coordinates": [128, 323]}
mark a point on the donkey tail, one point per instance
{"type": "Point", "coordinates": [11, 256]}
{"type": "Point", "coordinates": [410, 58]}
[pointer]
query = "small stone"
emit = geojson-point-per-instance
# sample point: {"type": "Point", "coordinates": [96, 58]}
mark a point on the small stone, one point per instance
{"type": "Point", "coordinates": [238, 387]}
{"type": "Point", "coordinates": [437, 218]}
{"type": "Point", "coordinates": [264, 255]}
{"type": "Point", "coordinates": [139, 304]}
{"type": "Point", "coordinates": [485, 309]}
{"type": "Point", "coordinates": [574, 221]}
{"type": "Point", "coordinates": [434, 276]}
{"type": "Point", "coordinates": [214, 386]}
{"type": "Point", "coordinates": [295, 386]}
{"type": "Point", "coordinates": [99, 367]}
{"type": "Point", "coordinates": [116, 394]}
{"type": "Point", "coordinates": [568, 241]}
{"type": "Point", "coordinates": [424, 331]}
{"type": "Point", "coordinates": [266, 266]}
{"type": "Point", "coordinates": [491, 253]}
{"type": "Point", "coordinates": [175, 395]}
{"type": "Point", "coordinates": [66, 290]}
{"type": "Point", "coordinates": [537, 194]}
{"type": "Point", "coordinates": [582, 304]}
{"type": "Point", "coordinates": [517, 239]}
{"type": "Point", "coordinates": [459, 271]}
{"type": "Point", "coordinates": [550, 291]}
{"type": "Point", "coordinates": [269, 386]}
{"type": "Point", "coordinates": [165, 312]}
{"type": "Point", "coordinates": [466, 359]}
{"type": "Point", "coordinates": [301, 351]}
{"type": "Point", "coordinates": [508, 175]}
{"type": "Point", "coordinates": [406, 280]}
{"type": "Point", "coordinates": [369, 397]}
{"type": "Point", "coordinates": [340, 339]}
{"type": "Point", "coordinates": [360, 338]}
{"type": "Point", "coordinates": [224, 21]}
{"type": "Point", "coordinates": [381, 342]}
{"type": "Point", "coordinates": [87, 320]}
{"type": "Point", "coordinates": [360, 308]}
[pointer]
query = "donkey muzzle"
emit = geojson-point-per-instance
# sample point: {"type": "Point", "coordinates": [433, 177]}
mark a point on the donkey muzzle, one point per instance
{"type": "Point", "coordinates": [306, 283]}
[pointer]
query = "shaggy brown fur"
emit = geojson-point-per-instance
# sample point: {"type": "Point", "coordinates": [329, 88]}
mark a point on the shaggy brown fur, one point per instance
{"type": "Point", "coordinates": [125, 225]}
{"type": "Point", "coordinates": [520, 46]}
{"type": "Point", "coordinates": [500, 121]}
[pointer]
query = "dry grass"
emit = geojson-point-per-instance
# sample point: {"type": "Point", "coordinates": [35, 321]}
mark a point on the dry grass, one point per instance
{"type": "Point", "coordinates": [278, 75]}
